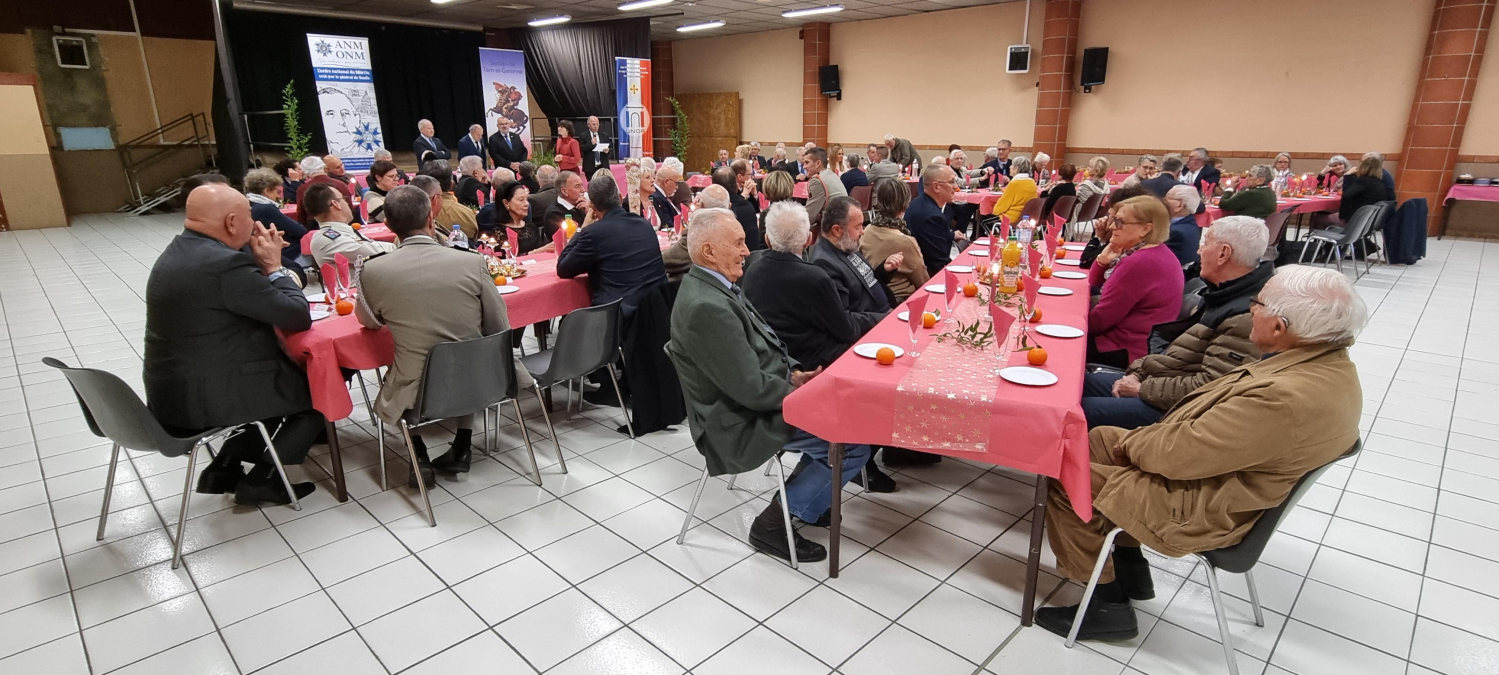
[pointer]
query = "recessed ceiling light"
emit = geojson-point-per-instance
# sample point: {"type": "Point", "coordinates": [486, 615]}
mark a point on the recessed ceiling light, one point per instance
{"type": "Point", "coordinates": [551, 20]}
{"type": "Point", "coordinates": [796, 13]}
{"type": "Point", "coordinates": [441, 2]}
{"type": "Point", "coordinates": [698, 26]}
{"type": "Point", "coordinates": [642, 4]}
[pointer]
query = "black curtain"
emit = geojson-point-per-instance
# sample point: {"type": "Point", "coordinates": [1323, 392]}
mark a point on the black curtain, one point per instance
{"type": "Point", "coordinates": [420, 73]}
{"type": "Point", "coordinates": [570, 70]}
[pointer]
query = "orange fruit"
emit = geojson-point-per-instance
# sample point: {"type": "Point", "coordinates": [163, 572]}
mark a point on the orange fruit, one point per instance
{"type": "Point", "coordinates": [1036, 356]}
{"type": "Point", "coordinates": [501, 280]}
{"type": "Point", "coordinates": [1020, 283]}
{"type": "Point", "coordinates": [970, 289]}
{"type": "Point", "coordinates": [344, 307]}
{"type": "Point", "coordinates": [928, 319]}
{"type": "Point", "coordinates": [885, 356]}
{"type": "Point", "coordinates": [1045, 273]}
{"type": "Point", "coordinates": [1061, 253]}
{"type": "Point", "coordinates": [1036, 315]}
{"type": "Point", "coordinates": [355, 226]}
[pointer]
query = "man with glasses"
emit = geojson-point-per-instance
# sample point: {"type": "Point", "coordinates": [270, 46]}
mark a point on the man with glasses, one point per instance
{"type": "Point", "coordinates": [1145, 169]}
{"type": "Point", "coordinates": [930, 217]}
{"type": "Point", "coordinates": [667, 178]}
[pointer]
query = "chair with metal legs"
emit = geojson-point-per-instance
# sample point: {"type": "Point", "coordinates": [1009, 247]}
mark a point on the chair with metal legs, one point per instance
{"type": "Point", "coordinates": [114, 411]}
{"type": "Point", "coordinates": [1239, 558]}
{"type": "Point", "coordinates": [785, 507]}
{"type": "Point", "coordinates": [587, 339]}
{"type": "Point", "coordinates": [461, 379]}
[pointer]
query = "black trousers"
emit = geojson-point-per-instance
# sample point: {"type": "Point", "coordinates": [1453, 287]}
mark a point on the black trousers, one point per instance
{"type": "Point", "coordinates": [293, 436]}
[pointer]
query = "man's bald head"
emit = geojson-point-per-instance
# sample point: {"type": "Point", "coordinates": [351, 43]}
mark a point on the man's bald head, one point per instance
{"type": "Point", "coordinates": [221, 212]}
{"type": "Point", "coordinates": [335, 166]}
{"type": "Point", "coordinates": [715, 241]}
{"type": "Point", "coordinates": [714, 197]}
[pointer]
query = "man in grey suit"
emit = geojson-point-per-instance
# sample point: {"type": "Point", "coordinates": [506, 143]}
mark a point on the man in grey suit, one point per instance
{"type": "Point", "coordinates": [426, 294]}
{"type": "Point", "coordinates": [214, 301]}
{"type": "Point", "coordinates": [822, 183]}
{"type": "Point", "coordinates": [884, 168]}
{"type": "Point", "coordinates": [735, 372]}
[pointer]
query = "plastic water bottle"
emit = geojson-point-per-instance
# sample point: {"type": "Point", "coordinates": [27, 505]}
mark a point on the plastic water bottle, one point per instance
{"type": "Point", "coordinates": [1026, 229]}
{"type": "Point", "coordinates": [457, 239]}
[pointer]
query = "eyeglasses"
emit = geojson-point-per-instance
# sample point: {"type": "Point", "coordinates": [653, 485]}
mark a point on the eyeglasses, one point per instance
{"type": "Point", "coordinates": [1256, 302]}
{"type": "Point", "coordinates": [1127, 222]}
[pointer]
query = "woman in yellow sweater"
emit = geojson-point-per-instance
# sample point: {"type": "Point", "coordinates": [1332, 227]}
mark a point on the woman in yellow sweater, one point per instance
{"type": "Point", "coordinates": [1020, 189]}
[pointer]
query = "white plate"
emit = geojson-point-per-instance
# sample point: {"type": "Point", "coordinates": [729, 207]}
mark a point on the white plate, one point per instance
{"type": "Point", "coordinates": [978, 252]}
{"type": "Point", "coordinates": [320, 314]}
{"type": "Point", "coordinates": [1054, 290]}
{"type": "Point", "coordinates": [318, 297]}
{"type": "Point", "coordinates": [1063, 274]}
{"type": "Point", "coordinates": [1059, 331]}
{"type": "Point", "coordinates": [1027, 375]}
{"type": "Point", "coordinates": [960, 269]}
{"type": "Point", "coordinates": [937, 288]}
{"type": "Point", "coordinates": [506, 290]}
{"type": "Point", "coordinates": [869, 349]}
{"type": "Point", "coordinates": [906, 316]}
{"type": "Point", "coordinates": [981, 241]}
{"type": "Point", "coordinates": [1074, 247]}
{"type": "Point", "coordinates": [1068, 261]}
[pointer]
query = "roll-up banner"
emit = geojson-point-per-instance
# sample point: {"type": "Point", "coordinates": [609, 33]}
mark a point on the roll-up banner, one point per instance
{"type": "Point", "coordinates": [502, 79]}
{"type": "Point", "coordinates": [632, 91]}
{"type": "Point", "coordinates": [346, 98]}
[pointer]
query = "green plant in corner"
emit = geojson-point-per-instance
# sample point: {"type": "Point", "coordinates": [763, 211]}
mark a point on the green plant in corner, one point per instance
{"type": "Point", "coordinates": [299, 145]}
{"type": "Point", "coordinates": [681, 132]}
{"type": "Point", "coordinates": [544, 157]}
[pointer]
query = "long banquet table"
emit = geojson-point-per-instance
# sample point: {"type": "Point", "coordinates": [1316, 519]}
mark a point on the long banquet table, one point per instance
{"type": "Point", "coordinates": [1036, 429]}
{"type": "Point", "coordinates": [1312, 204]}
{"type": "Point", "coordinates": [339, 342]}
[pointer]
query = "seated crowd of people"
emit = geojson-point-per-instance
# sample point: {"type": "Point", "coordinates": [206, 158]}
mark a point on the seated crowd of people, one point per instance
{"type": "Point", "coordinates": [765, 299]}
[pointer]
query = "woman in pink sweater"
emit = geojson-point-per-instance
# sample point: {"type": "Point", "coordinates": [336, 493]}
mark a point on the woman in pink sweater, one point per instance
{"type": "Point", "coordinates": [1141, 283]}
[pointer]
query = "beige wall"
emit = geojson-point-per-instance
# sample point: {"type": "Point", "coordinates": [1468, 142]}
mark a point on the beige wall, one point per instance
{"type": "Point", "coordinates": [902, 76]}
{"type": "Point", "coordinates": [1481, 137]}
{"type": "Point", "coordinates": [766, 70]}
{"type": "Point", "coordinates": [27, 181]}
{"type": "Point", "coordinates": [1278, 78]}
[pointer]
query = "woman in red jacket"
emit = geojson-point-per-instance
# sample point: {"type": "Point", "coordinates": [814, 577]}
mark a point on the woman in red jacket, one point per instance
{"type": "Point", "coordinates": [569, 156]}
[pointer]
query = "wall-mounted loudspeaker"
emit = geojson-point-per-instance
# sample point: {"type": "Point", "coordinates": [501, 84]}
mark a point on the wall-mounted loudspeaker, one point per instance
{"type": "Point", "coordinates": [1095, 66]}
{"type": "Point", "coordinates": [828, 77]}
{"type": "Point", "coordinates": [1020, 59]}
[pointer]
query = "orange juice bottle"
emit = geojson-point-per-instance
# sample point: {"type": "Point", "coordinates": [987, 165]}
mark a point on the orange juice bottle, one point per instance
{"type": "Point", "coordinates": [1010, 265]}
{"type": "Point", "coordinates": [570, 226]}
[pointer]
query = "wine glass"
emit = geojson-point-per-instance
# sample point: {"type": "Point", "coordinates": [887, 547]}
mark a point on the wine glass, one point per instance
{"type": "Point", "coordinates": [911, 327]}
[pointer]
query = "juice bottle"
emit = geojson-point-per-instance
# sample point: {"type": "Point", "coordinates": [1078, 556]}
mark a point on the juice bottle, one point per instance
{"type": "Point", "coordinates": [1010, 265]}
{"type": "Point", "coordinates": [570, 226]}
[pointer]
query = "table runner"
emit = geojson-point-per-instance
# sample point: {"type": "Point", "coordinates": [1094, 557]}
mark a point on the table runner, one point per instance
{"type": "Point", "coordinates": [942, 402]}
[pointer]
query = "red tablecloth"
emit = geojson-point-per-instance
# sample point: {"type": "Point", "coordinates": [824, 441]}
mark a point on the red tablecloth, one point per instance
{"type": "Point", "coordinates": [1039, 430]}
{"type": "Point", "coordinates": [289, 210]}
{"type": "Point", "coordinates": [1303, 205]}
{"type": "Point", "coordinates": [699, 181]}
{"type": "Point", "coordinates": [1473, 193]}
{"type": "Point", "coordinates": [378, 232]}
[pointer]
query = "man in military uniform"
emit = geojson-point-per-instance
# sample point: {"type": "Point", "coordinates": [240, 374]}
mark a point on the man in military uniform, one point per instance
{"type": "Point", "coordinates": [334, 233]}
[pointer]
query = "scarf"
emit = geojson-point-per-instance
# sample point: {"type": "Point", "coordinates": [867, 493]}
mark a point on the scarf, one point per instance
{"type": "Point", "coordinates": [257, 198]}
{"type": "Point", "coordinates": [1115, 265]}
{"type": "Point", "coordinates": [892, 223]}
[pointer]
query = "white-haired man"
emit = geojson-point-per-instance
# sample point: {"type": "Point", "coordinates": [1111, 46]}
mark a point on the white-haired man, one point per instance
{"type": "Point", "coordinates": [315, 172]}
{"type": "Point", "coordinates": [1198, 479]}
{"type": "Point", "coordinates": [735, 373]}
{"type": "Point", "coordinates": [901, 151]}
{"type": "Point", "coordinates": [1181, 204]}
{"type": "Point", "coordinates": [667, 178]}
{"type": "Point", "coordinates": [756, 159]}
{"type": "Point", "coordinates": [427, 141]}
{"type": "Point", "coordinates": [472, 145]}
{"type": "Point", "coordinates": [475, 180]}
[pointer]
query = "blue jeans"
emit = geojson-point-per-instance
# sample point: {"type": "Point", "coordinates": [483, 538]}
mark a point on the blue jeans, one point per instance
{"type": "Point", "coordinates": [1104, 410]}
{"type": "Point", "coordinates": [809, 493]}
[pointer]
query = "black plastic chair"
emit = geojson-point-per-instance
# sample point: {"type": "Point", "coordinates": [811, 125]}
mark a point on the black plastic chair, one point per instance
{"type": "Point", "coordinates": [1276, 224]}
{"type": "Point", "coordinates": [1239, 559]}
{"type": "Point", "coordinates": [587, 340]}
{"type": "Point", "coordinates": [1359, 225]}
{"type": "Point", "coordinates": [1387, 210]}
{"type": "Point", "coordinates": [114, 411]}
{"type": "Point", "coordinates": [460, 379]}
{"type": "Point", "coordinates": [1087, 211]}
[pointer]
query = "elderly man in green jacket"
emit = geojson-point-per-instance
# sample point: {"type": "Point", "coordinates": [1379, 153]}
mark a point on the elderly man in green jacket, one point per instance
{"type": "Point", "coordinates": [735, 372]}
{"type": "Point", "coordinates": [1199, 479]}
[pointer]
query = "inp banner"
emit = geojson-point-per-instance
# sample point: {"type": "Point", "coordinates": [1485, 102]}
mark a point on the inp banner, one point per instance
{"type": "Point", "coordinates": [504, 71]}
{"type": "Point", "coordinates": [632, 90]}
{"type": "Point", "coordinates": [346, 98]}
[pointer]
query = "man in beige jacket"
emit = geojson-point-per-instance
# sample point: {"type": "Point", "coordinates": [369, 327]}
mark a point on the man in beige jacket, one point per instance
{"type": "Point", "coordinates": [426, 293]}
{"type": "Point", "coordinates": [1199, 479]}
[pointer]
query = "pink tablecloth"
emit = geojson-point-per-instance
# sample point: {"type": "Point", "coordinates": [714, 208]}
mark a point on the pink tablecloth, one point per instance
{"type": "Point", "coordinates": [1039, 430]}
{"type": "Point", "coordinates": [699, 181]}
{"type": "Point", "coordinates": [1473, 193]}
{"type": "Point", "coordinates": [1303, 205]}
{"type": "Point", "coordinates": [333, 343]}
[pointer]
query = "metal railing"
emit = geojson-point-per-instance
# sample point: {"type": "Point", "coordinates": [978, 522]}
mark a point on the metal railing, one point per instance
{"type": "Point", "coordinates": [250, 132]}
{"type": "Point", "coordinates": [151, 148]}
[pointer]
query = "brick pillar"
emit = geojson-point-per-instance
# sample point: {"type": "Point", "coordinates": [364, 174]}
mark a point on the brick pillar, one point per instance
{"type": "Point", "coordinates": [816, 43]}
{"type": "Point", "coordinates": [1439, 112]}
{"type": "Point", "coordinates": [1058, 70]}
{"type": "Point", "coordinates": [663, 86]}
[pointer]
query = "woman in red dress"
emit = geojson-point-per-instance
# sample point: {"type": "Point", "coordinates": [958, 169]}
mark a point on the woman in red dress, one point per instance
{"type": "Point", "coordinates": [569, 156]}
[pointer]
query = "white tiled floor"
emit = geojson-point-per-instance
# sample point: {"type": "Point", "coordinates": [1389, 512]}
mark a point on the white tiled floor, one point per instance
{"type": "Point", "coordinates": [1390, 566]}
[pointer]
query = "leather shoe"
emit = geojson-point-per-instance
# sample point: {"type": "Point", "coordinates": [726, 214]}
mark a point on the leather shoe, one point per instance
{"type": "Point", "coordinates": [217, 480]}
{"type": "Point", "coordinates": [459, 457]}
{"type": "Point", "coordinates": [423, 463]}
{"type": "Point", "coordinates": [768, 535]}
{"type": "Point", "coordinates": [270, 491]}
{"type": "Point", "coordinates": [879, 481]}
{"type": "Point", "coordinates": [1107, 621]}
{"type": "Point", "coordinates": [1133, 575]}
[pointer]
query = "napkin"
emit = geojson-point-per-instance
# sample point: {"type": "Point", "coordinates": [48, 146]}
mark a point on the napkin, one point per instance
{"type": "Point", "coordinates": [1004, 230]}
{"type": "Point", "coordinates": [1035, 258]}
{"type": "Point", "coordinates": [559, 240]}
{"type": "Point", "coordinates": [949, 280]}
{"type": "Point", "coordinates": [914, 307]}
{"type": "Point", "coordinates": [343, 269]}
{"type": "Point", "coordinates": [514, 238]}
{"type": "Point", "coordinates": [1002, 321]}
{"type": "Point", "coordinates": [1051, 245]}
{"type": "Point", "coordinates": [1032, 288]}
{"type": "Point", "coordinates": [330, 282]}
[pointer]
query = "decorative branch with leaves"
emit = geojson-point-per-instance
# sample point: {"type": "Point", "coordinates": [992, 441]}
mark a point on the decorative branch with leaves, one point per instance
{"type": "Point", "coordinates": [681, 132]}
{"type": "Point", "coordinates": [299, 145]}
{"type": "Point", "coordinates": [976, 335]}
